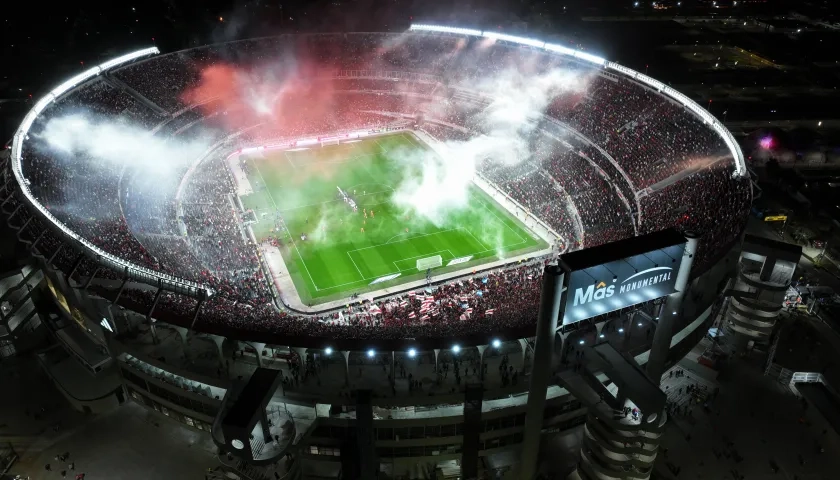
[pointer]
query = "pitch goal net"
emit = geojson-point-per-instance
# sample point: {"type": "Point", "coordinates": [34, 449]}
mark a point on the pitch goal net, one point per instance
{"type": "Point", "coordinates": [329, 141]}
{"type": "Point", "coordinates": [424, 264]}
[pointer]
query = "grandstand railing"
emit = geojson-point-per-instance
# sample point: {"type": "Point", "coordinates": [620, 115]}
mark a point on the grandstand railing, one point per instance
{"type": "Point", "coordinates": [387, 75]}
{"type": "Point", "coordinates": [143, 274]}
{"type": "Point", "coordinates": [702, 113]}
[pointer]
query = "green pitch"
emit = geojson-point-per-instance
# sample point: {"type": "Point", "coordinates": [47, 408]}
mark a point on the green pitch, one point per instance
{"type": "Point", "coordinates": [295, 194]}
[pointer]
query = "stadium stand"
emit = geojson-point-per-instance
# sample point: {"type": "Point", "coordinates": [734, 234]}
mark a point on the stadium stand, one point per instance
{"type": "Point", "coordinates": [580, 191]}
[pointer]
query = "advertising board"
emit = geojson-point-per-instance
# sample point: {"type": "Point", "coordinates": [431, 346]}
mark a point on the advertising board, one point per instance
{"type": "Point", "coordinates": [640, 276]}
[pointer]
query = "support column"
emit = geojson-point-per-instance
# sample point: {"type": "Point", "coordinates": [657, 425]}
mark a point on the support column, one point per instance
{"type": "Point", "coordinates": [437, 354]}
{"type": "Point", "coordinates": [302, 355]}
{"type": "Point", "coordinates": [219, 342]}
{"type": "Point", "coordinates": [266, 429]}
{"type": "Point", "coordinates": [259, 348]}
{"type": "Point", "coordinates": [481, 349]}
{"type": "Point", "coordinates": [669, 313]}
{"type": "Point", "coordinates": [393, 373]}
{"type": "Point", "coordinates": [523, 344]}
{"type": "Point", "coordinates": [550, 302]}
{"type": "Point", "coordinates": [599, 327]}
{"type": "Point", "coordinates": [346, 355]}
{"type": "Point", "coordinates": [564, 344]}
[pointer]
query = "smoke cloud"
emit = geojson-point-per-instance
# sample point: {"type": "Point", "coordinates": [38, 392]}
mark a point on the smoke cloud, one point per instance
{"type": "Point", "coordinates": [109, 146]}
{"type": "Point", "coordinates": [99, 152]}
{"type": "Point", "coordinates": [441, 180]}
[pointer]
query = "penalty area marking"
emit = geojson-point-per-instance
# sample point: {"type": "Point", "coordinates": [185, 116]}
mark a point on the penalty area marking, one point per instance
{"type": "Point", "coordinates": [371, 278]}
{"type": "Point", "coordinates": [357, 267]}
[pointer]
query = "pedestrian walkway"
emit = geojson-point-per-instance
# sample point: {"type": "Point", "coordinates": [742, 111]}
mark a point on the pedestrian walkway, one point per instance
{"type": "Point", "coordinates": [752, 429]}
{"type": "Point", "coordinates": [130, 443]}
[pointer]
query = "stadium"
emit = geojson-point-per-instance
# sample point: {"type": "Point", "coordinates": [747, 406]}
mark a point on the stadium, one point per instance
{"type": "Point", "coordinates": [361, 192]}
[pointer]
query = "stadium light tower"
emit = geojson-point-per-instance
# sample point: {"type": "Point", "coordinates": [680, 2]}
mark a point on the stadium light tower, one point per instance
{"type": "Point", "coordinates": [328, 351]}
{"type": "Point", "coordinates": [371, 353]}
{"type": "Point", "coordinates": [497, 343]}
{"type": "Point", "coordinates": [412, 352]}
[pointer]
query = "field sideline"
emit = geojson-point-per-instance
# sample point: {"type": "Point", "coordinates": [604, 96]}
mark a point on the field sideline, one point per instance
{"type": "Point", "coordinates": [332, 252]}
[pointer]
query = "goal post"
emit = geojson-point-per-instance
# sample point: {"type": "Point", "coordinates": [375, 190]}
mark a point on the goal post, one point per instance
{"type": "Point", "coordinates": [329, 141]}
{"type": "Point", "coordinates": [424, 264]}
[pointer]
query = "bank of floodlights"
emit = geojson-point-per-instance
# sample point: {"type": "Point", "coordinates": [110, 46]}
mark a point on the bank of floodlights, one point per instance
{"type": "Point", "coordinates": [533, 42]}
{"type": "Point", "coordinates": [444, 29]}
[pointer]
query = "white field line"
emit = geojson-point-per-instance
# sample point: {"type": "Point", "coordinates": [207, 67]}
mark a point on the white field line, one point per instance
{"type": "Point", "coordinates": [291, 162]}
{"type": "Point", "coordinates": [476, 239]}
{"type": "Point", "coordinates": [354, 264]}
{"type": "Point", "coordinates": [414, 143]}
{"type": "Point", "coordinates": [290, 233]}
{"type": "Point", "coordinates": [499, 219]}
{"type": "Point", "coordinates": [375, 277]}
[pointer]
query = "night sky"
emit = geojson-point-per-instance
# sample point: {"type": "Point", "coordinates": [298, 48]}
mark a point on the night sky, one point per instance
{"type": "Point", "coordinates": [51, 41]}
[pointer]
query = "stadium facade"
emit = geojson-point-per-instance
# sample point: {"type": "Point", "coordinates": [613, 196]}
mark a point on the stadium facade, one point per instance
{"type": "Point", "coordinates": [632, 156]}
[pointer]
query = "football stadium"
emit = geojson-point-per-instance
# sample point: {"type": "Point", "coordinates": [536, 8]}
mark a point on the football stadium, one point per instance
{"type": "Point", "coordinates": [366, 210]}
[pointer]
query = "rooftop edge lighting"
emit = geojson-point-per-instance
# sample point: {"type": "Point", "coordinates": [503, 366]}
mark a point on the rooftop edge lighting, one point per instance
{"type": "Point", "coordinates": [726, 135]}
{"type": "Point", "coordinates": [134, 271]}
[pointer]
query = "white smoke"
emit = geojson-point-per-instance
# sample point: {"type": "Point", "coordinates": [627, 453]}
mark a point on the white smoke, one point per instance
{"type": "Point", "coordinates": [439, 183]}
{"type": "Point", "coordinates": [109, 146]}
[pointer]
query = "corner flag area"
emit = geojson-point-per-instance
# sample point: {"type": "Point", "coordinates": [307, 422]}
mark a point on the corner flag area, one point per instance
{"type": "Point", "coordinates": [331, 212]}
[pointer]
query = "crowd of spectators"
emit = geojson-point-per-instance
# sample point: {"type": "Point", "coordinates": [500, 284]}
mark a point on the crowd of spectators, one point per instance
{"type": "Point", "coordinates": [576, 188]}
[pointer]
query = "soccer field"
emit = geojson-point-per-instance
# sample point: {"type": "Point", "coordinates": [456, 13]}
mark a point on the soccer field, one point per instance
{"type": "Point", "coordinates": [296, 194]}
